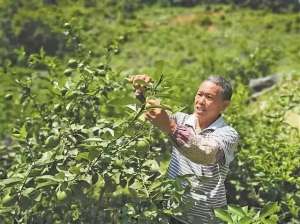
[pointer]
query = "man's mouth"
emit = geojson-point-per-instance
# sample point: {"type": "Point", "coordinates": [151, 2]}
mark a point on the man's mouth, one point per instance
{"type": "Point", "coordinates": [200, 109]}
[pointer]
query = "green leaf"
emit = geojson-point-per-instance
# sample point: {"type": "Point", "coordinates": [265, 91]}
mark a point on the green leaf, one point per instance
{"type": "Point", "coordinates": [52, 141]}
{"type": "Point", "coordinates": [245, 209]}
{"type": "Point", "coordinates": [9, 181]}
{"type": "Point", "coordinates": [223, 215]}
{"type": "Point", "coordinates": [150, 214]}
{"type": "Point", "coordinates": [116, 178]}
{"type": "Point", "coordinates": [129, 170]}
{"type": "Point", "coordinates": [28, 191]}
{"type": "Point", "coordinates": [7, 210]}
{"type": "Point", "coordinates": [93, 140]}
{"type": "Point", "coordinates": [159, 81]}
{"type": "Point", "coordinates": [75, 169]}
{"type": "Point", "coordinates": [49, 178]}
{"type": "Point", "coordinates": [38, 197]}
{"type": "Point", "coordinates": [46, 158]}
{"type": "Point", "coordinates": [293, 119]}
{"type": "Point", "coordinates": [68, 71]}
{"type": "Point", "coordinates": [72, 63]}
{"type": "Point", "coordinates": [93, 153]}
{"type": "Point", "coordinates": [152, 164]}
{"type": "Point", "coordinates": [45, 184]}
{"type": "Point", "coordinates": [132, 107]}
{"type": "Point", "coordinates": [110, 131]}
{"type": "Point", "coordinates": [83, 155]}
{"type": "Point", "coordinates": [236, 210]}
{"type": "Point", "coordinates": [8, 199]}
{"type": "Point", "coordinates": [245, 220]}
{"type": "Point", "coordinates": [269, 209]}
{"type": "Point", "coordinates": [23, 132]}
{"type": "Point", "coordinates": [155, 184]}
{"type": "Point", "coordinates": [168, 212]}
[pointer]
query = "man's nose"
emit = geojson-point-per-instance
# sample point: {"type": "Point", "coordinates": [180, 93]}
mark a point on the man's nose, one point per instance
{"type": "Point", "coordinates": [201, 100]}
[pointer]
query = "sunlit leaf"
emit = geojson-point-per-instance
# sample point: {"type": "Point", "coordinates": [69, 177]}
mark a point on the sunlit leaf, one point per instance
{"type": "Point", "coordinates": [223, 215]}
{"type": "Point", "coordinates": [236, 210]}
{"type": "Point", "coordinates": [269, 209]}
{"type": "Point", "coordinates": [9, 181]}
{"type": "Point", "coordinates": [293, 119]}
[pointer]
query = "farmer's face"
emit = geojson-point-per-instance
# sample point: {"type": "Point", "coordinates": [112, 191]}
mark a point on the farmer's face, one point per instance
{"type": "Point", "coordinates": [209, 103]}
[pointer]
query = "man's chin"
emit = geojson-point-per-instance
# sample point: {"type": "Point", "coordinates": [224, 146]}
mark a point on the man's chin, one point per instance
{"type": "Point", "coordinates": [199, 113]}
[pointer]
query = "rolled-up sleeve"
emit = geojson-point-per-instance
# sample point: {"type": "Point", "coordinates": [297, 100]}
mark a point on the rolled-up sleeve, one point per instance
{"type": "Point", "coordinates": [208, 148]}
{"type": "Point", "coordinates": [227, 141]}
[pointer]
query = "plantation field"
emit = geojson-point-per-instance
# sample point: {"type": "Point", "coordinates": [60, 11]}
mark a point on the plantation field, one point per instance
{"type": "Point", "coordinates": [74, 147]}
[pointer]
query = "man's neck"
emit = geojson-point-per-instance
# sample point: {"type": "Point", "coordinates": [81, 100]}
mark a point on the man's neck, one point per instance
{"type": "Point", "coordinates": [204, 123]}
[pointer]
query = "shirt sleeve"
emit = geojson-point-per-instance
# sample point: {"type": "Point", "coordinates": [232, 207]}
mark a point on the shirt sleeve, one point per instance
{"type": "Point", "coordinates": [208, 148]}
{"type": "Point", "coordinates": [175, 117]}
{"type": "Point", "coordinates": [227, 140]}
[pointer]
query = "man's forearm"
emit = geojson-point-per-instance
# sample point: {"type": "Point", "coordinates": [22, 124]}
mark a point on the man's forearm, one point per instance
{"type": "Point", "coordinates": [200, 152]}
{"type": "Point", "coordinates": [169, 128]}
{"type": "Point", "coordinates": [197, 148]}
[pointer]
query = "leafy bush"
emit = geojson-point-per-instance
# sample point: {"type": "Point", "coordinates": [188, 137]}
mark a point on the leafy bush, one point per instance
{"type": "Point", "coordinates": [74, 158]}
{"type": "Point", "coordinates": [244, 215]}
{"type": "Point", "coordinates": [266, 168]}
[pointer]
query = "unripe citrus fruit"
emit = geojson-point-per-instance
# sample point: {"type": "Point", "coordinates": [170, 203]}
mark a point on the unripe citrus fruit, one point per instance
{"type": "Point", "coordinates": [61, 195]}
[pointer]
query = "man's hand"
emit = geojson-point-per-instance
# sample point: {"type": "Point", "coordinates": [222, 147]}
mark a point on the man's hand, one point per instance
{"type": "Point", "coordinates": [159, 117]}
{"type": "Point", "coordinates": [139, 82]}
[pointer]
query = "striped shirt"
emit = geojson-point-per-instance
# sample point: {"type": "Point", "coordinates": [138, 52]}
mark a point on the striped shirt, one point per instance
{"type": "Point", "coordinates": [207, 181]}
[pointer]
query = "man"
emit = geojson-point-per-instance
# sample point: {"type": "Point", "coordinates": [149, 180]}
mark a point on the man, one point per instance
{"type": "Point", "coordinates": [203, 146]}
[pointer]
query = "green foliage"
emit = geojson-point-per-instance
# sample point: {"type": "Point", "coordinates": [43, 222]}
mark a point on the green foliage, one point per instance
{"type": "Point", "coordinates": [267, 165]}
{"type": "Point", "coordinates": [72, 158]}
{"type": "Point", "coordinates": [273, 5]}
{"type": "Point", "coordinates": [242, 215]}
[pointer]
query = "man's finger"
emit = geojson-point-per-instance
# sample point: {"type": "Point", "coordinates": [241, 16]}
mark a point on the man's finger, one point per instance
{"type": "Point", "coordinates": [136, 85]}
{"type": "Point", "coordinates": [182, 137]}
{"type": "Point", "coordinates": [144, 78]}
{"type": "Point", "coordinates": [180, 142]}
{"type": "Point", "coordinates": [147, 79]}
{"type": "Point", "coordinates": [153, 102]}
{"type": "Point", "coordinates": [130, 78]}
{"type": "Point", "coordinates": [148, 117]}
{"type": "Point", "coordinates": [151, 114]}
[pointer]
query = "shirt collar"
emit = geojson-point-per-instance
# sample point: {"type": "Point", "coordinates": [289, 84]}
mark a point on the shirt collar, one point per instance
{"type": "Point", "coordinates": [191, 121]}
{"type": "Point", "coordinates": [217, 123]}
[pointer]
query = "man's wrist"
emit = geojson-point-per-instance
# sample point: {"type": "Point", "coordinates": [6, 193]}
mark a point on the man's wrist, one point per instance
{"type": "Point", "coordinates": [172, 128]}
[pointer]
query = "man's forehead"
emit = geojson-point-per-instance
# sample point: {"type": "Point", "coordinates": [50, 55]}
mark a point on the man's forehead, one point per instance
{"type": "Point", "coordinates": [209, 87]}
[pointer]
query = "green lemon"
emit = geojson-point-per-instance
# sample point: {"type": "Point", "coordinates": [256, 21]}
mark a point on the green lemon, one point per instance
{"type": "Point", "coordinates": [118, 162]}
{"type": "Point", "coordinates": [61, 195]}
{"type": "Point", "coordinates": [121, 191]}
{"type": "Point", "coordinates": [142, 144]}
{"type": "Point", "coordinates": [125, 191]}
